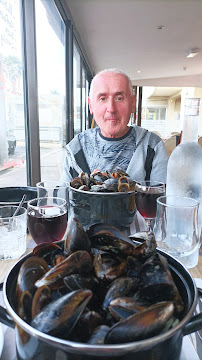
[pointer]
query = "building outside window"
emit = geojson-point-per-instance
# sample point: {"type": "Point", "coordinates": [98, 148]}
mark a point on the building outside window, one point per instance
{"type": "Point", "coordinates": [12, 134]}
{"type": "Point", "coordinates": [51, 87]}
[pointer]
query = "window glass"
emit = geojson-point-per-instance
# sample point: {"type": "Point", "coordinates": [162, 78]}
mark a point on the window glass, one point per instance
{"type": "Point", "coordinates": [12, 134]}
{"type": "Point", "coordinates": [83, 99]}
{"type": "Point", "coordinates": [51, 87]}
{"type": "Point", "coordinates": [87, 111]}
{"type": "Point", "coordinates": [77, 90]}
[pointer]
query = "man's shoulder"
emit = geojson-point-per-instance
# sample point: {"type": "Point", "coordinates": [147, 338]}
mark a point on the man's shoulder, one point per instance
{"type": "Point", "coordinates": [76, 143]}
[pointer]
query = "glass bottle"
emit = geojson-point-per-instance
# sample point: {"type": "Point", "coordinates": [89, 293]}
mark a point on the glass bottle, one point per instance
{"type": "Point", "coordinates": [184, 171]}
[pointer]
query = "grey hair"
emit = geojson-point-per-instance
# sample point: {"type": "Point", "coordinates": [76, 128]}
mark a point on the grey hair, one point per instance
{"type": "Point", "coordinates": [115, 71]}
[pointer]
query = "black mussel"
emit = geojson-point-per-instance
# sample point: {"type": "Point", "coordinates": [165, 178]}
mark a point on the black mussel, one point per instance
{"type": "Point", "coordinates": [52, 253]}
{"type": "Point", "coordinates": [31, 270]}
{"type": "Point", "coordinates": [80, 281]}
{"type": "Point", "coordinates": [112, 182]}
{"type": "Point", "coordinates": [85, 178]}
{"type": "Point", "coordinates": [76, 238]}
{"type": "Point", "coordinates": [98, 336]}
{"type": "Point", "coordinates": [156, 283]}
{"type": "Point", "coordinates": [76, 263]}
{"type": "Point", "coordinates": [123, 307]}
{"type": "Point", "coordinates": [147, 246]}
{"type": "Point", "coordinates": [42, 297]}
{"type": "Point", "coordinates": [122, 286]}
{"type": "Point", "coordinates": [24, 306]}
{"type": "Point", "coordinates": [76, 183]}
{"type": "Point", "coordinates": [109, 238]}
{"type": "Point", "coordinates": [133, 264]}
{"type": "Point", "coordinates": [86, 324]}
{"type": "Point", "coordinates": [119, 172]}
{"type": "Point", "coordinates": [108, 266]}
{"type": "Point", "coordinates": [60, 316]}
{"type": "Point", "coordinates": [143, 325]}
{"type": "Point", "coordinates": [123, 184]}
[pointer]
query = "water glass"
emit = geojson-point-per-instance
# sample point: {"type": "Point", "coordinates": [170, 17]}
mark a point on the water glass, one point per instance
{"type": "Point", "coordinates": [51, 188]}
{"type": "Point", "coordinates": [13, 232]}
{"type": "Point", "coordinates": [176, 228]}
{"type": "Point", "coordinates": [47, 219]}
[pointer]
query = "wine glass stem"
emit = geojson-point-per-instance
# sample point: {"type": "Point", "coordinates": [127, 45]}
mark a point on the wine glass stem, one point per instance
{"type": "Point", "coordinates": [149, 224]}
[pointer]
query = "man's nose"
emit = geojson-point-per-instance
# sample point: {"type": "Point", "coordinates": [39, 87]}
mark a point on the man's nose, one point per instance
{"type": "Point", "coordinates": [111, 105]}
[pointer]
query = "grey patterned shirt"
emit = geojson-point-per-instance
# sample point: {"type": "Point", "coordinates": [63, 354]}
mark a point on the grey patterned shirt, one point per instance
{"type": "Point", "coordinates": [140, 153]}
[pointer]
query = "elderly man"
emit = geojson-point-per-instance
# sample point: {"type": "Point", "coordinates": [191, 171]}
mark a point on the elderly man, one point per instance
{"type": "Point", "coordinates": [113, 144]}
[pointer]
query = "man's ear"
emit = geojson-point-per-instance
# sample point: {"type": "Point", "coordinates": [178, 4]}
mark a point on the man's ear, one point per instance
{"type": "Point", "coordinates": [90, 106]}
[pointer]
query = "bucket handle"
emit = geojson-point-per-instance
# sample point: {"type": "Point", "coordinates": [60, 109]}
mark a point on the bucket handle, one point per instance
{"type": "Point", "coordinates": [5, 318]}
{"type": "Point", "coordinates": [194, 324]}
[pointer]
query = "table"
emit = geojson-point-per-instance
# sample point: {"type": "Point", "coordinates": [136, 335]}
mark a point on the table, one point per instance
{"type": "Point", "coordinates": [190, 343]}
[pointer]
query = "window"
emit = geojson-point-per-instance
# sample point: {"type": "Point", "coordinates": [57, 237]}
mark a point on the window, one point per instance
{"type": "Point", "coordinates": [12, 134]}
{"type": "Point", "coordinates": [77, 90]}
{"type": "Point", "coordinates": [51, 88]}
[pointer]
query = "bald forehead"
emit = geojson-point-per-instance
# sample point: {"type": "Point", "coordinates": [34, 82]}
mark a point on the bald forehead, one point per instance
{"type": "Point", "coordinates": [110, 83]}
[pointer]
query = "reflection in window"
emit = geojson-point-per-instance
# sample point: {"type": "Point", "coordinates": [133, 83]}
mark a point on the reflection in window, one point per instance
{"type": "Point", "coordinates": [12, 134]}
{"type": "Point", "coordinates": [77, 90]}
{"type": "Point", "coordinates": [51, 87]}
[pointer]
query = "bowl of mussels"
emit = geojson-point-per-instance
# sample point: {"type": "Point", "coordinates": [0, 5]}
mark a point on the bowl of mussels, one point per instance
{"type": "Point", "coordinates": [103, 197]}
{"type": "Point", "coordinates": [100, 295]}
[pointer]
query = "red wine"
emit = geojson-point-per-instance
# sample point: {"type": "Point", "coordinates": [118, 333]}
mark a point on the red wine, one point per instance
{"type": "Point", "coordinates": [47, 226]}
{"type": "Point", "coordinates": [146, 204]}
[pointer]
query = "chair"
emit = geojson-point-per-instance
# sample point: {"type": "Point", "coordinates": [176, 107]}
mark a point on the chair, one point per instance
{"type": "Point", "coordinates": [200, 141]}
{"type": "Point", "coordinates": [171, 143]}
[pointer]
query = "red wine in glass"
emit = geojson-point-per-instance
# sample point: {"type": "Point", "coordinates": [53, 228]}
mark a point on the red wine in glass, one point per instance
{"type": "Point", "coordinates": [146, 195]}
{"type": "Point", "coordinates": [47, 223]}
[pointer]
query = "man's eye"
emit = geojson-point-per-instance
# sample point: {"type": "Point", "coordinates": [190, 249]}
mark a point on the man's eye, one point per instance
{"type": "Point", "coordinates": [119, 98]}
{"type": "Point", "coordinates": [103, 98]}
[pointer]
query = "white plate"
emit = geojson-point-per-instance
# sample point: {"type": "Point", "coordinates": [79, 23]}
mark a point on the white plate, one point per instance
{"type": "Point", "coordinates": [1, 339]}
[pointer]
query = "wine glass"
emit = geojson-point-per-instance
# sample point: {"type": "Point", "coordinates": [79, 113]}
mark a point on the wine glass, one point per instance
{"type": "Point", "coordinates": [146, 194]}
{"type": "Point", "coordinates": [47, 219]}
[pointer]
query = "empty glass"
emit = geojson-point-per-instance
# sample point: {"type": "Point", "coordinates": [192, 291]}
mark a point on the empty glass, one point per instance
{"type": "Point", "coordinates": [176, 228]}
{"type": "Point", "coordinates": [13, 232]}
{"type": "Point", "coordinates": [52, 188]}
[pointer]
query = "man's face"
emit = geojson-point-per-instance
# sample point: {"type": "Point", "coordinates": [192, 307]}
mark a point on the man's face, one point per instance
{"type": "Point", "coordinates": [111, 104]}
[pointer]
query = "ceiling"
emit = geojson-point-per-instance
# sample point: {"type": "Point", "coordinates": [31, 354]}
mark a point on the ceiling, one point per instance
{"type": "Point", "coordinates": [123, 34]}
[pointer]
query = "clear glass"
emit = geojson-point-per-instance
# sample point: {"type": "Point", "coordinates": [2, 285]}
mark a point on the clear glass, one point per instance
{"type": "Point", "coordinates": [146, 194]}
{"type": "Point", "coordinates": [47, 219]}
{"type": "Point", "coordinates": [50, 41]}
{"type": "Point", "coordinates": [176, 228]}
{"type": "Point", "coordinates": [52, 189]}
{"type": "Point", "coordinates": [13, 232]}
{"type": "Point", "coordinates": [12, 134]}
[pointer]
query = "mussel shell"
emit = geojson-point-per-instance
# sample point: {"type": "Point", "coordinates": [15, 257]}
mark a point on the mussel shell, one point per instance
{"type": "Point", "coordinates": [79, 262]}
{"type": "Point", "coordinates": [76, 238]}
{"type": "Point", "coordinates": [108, 266]}
{"type": "Point", "coordinates": [61, 315]}
{"type": "Point", "coordinates": [80, 281]}
{"type": "Point", "coordinates": [31, 270]}
{"type": "Point", "coordinates": [122, 286]}
{"type": "Point", "coordinates": [42, 297]}
{"type": "Point", "coordinates": [98, 336]}
{"type": "Point", "coordinates": [141, 325]}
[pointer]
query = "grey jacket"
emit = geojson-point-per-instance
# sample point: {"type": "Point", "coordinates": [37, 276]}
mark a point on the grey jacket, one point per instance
{"type": "Point", "coordinates": [148, 162]}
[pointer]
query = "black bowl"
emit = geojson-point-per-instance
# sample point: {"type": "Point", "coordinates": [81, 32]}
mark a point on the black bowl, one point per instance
{"type": "Point", "coordinates": [13, 195]}
{"type": "Point", "coordinates": [116, 208]}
